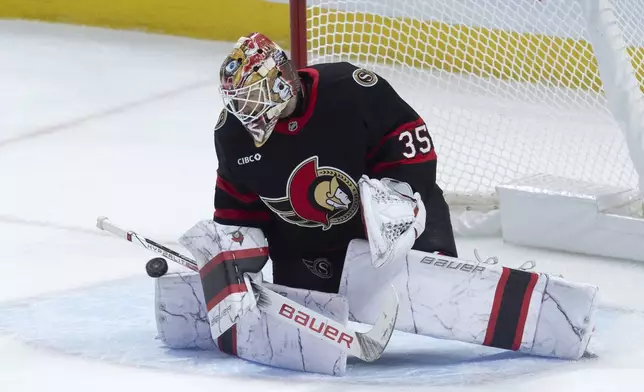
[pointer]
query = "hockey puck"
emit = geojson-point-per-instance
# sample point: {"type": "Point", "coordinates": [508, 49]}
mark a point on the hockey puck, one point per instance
{"type": "Point", "coordinates": [156, 267]}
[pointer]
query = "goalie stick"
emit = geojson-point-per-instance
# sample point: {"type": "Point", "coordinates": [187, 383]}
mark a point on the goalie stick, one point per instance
{"type": "Point", "coordinates": [104, 224]}
{"type": "Point", "coordinates": [367, 346]}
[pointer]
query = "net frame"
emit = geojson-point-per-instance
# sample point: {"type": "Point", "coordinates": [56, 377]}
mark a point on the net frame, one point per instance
{"type": "Point", "coordinates": [601, 22]}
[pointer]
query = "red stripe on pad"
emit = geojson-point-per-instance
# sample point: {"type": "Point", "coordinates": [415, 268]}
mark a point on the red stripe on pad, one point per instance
{"type": "Point", "coordinates": [232, 289]}
{"type": "Point", "coordinates": [496, 306]}
{"type": "Point", "coordinates": [232, 255]}
{"type": "Point", "coordinates": [524, 312]}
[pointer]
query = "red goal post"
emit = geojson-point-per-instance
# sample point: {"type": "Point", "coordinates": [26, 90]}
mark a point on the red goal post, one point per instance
{"type": "Point", "coordinates": [297, 13]}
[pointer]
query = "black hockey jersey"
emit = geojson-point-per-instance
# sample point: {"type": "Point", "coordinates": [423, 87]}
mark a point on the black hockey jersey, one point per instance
{"type": "Point", "coordinates": [300, 187]}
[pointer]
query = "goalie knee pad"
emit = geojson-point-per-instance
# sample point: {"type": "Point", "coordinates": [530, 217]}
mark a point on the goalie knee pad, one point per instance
{"type": "Point", "coordinates": [226, 255]}
{"type": "Point", "coordinates": [182, 323]}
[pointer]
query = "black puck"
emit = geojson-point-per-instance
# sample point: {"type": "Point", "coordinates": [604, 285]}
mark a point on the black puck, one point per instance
{"type": "Point", "coordinates": [156, 267]}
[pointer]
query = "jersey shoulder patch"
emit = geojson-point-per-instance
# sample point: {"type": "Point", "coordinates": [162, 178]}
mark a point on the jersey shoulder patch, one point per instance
{"type": "Point", "coordinates": [364, 77]}
{"type": "Point", "coordinates": [222, 119]}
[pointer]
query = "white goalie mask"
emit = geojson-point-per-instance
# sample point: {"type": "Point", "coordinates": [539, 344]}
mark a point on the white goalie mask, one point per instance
{"type": "Point", "coordinates": [257, 82]}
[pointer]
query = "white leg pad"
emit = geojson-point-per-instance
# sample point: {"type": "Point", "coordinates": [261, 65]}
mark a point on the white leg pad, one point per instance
{"type": "Point", "coordinates": [567, 313]}
{"type": "Point", "coordinates": [476, 303]}
{"type": "Point", "coordinates": [180, 313]}
{"type": "Point", "coordinates": [269, 341]}
{"type": "Point", "coordinates": [182, 323]}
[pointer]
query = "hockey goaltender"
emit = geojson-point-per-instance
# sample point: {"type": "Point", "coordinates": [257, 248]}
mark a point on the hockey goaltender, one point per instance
{"type": "Point", "coordinates": [331, 174]}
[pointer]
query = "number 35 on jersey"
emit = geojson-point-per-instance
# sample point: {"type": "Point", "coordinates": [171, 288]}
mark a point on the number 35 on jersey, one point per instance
{"type": "Point", "coordinates": [416, 141]}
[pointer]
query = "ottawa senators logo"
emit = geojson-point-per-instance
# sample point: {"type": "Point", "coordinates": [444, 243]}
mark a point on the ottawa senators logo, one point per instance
{"type": "Point", "coordinates": [317, 196]}
{"type": "Point", "coordinates": [319, 267]}
{"type": "Point", "coordinates": [238, 237]}
{"type": "Point", "coordinates": [364, 77]}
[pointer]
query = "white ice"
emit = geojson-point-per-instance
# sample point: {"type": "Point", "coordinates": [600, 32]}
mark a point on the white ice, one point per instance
{"type": "Point", "coordinates": [97, 122]}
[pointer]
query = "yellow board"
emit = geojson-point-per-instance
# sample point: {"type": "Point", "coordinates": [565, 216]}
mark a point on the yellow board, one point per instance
{"type": "Point", "coordinates": [209, 19]}
{"type": "Point", "coordinates": [427, 44]}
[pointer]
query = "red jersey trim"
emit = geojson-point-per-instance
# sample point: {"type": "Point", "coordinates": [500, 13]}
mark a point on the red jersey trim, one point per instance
{"type": "Point", "coordinates": [242, 215]}
{"type": "Point", "coordinates": [402, 128]}
{"type": "Point", "coordinates": [283, 125]}
{"type": "Point", "coordinates": [232, 191]}
{"type": "Point", "coordinates": [430, 156]}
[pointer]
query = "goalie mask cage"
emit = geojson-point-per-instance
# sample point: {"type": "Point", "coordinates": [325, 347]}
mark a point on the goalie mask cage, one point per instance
{"type": "Point", "coordinates": [508, 88]}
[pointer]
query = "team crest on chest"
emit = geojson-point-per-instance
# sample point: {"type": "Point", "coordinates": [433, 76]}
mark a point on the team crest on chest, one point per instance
{"type": "Point", "coordinates": [317, 196]}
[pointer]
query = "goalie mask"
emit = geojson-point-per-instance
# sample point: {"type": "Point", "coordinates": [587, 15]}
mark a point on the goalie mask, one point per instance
{"type": "Point", "coordinates": [257, 82]}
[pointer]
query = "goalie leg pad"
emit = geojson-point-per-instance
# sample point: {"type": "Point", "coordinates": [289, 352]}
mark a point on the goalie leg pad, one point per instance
{"type": "Point", "coordinates": [269, 341]}
{"type": "Point", "coordinates": [473, 302]}
{"type": "Point", "coordinates": [567, 312]}
{"type": "Point", "coordinates": [180, 311]}
{"type": "Point", "coordinates": [182, 323]}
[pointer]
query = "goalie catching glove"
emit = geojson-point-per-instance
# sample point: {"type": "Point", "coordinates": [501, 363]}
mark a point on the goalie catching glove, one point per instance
{"type": "Point", "coordinates": [393, 217]}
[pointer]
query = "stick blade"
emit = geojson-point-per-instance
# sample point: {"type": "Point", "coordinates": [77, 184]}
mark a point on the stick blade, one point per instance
{"type": "Point", "coordinates": [373, 343]}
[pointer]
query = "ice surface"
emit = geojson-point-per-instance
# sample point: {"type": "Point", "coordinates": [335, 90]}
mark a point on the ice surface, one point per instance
{"type": "Point", "coordinates": [96, 122]}
{"type": "Point", "coordinates": [114, 322]}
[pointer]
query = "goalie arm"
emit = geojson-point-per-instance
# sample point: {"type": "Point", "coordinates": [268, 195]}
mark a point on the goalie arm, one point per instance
{"type": "Point", "coordinates": [402, 148]}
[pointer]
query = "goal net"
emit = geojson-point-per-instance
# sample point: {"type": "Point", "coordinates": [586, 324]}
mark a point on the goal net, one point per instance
{"type": "Point", "coordinates": [508, 88]}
